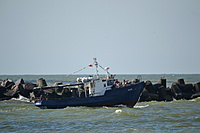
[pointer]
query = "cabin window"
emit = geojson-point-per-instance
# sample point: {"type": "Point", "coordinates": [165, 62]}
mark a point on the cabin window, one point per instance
{"type": "Point", "coordinates": [104, 85]}
{"type": "Point", "coordinates": [110, 82]}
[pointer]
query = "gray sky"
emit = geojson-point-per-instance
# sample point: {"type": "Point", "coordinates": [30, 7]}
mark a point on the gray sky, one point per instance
{"type": "Point", "coordinates": [129, 36]}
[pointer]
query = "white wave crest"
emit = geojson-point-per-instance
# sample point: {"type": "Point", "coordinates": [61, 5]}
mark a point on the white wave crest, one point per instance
{"type": "Point", "coordinates": [118, 111]}
{"type": "Point", "coordinates": [141, 106]}
{"type": "Point", "coordinates": [21, 98]}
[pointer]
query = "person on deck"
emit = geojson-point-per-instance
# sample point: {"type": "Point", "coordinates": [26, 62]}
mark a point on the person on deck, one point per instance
{"type": "Point", "coordinates": [116, 83]}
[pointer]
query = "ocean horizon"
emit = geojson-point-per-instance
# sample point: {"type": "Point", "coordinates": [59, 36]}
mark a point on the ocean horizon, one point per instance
{"type": "Point", "coordinates": [189, 78]}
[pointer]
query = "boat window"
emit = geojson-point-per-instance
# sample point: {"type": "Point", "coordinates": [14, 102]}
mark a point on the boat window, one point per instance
{"type": "Point", "coordinates": [110, 82]}
{"type": "Point", "coordinates": [103, 80]}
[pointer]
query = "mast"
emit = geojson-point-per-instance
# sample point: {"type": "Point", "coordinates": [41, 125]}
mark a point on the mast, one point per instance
{"type": "Point", "coordinates": [96, 65]}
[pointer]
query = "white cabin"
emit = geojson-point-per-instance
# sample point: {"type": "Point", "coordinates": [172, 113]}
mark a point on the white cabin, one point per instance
{"type": "Point", "coordinates": [96, 87]}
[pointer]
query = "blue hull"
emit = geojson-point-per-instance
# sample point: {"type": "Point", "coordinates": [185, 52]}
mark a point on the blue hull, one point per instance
{"type": "Point", "coordinates": [128, 95]}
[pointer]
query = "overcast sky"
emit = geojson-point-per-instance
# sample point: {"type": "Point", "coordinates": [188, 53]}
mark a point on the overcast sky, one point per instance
{"type": "Point", "coordinates": [129, 36]}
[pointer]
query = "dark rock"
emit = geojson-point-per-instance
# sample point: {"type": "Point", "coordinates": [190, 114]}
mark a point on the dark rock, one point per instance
{"type": "Point", "coordinates": [176, 91]}
{"type": "Point", "coordinates": [163, 82]}
{"type": "Point", "coordinates": [149, 86]}
{"type": "Point", "coordinates": [187, 96]}
{"type": "Point", "coordinates": [168, 91]}
{"type": "Point", "coordinates": [41, 82]}
{"type": "Point", "coordinates": [168, 98]}
{"type": "Point", "coordinates": [2, 91]}
{"type": "Point", "coordinates": [181, 81]}
{"type": "Point", "coordinates": [26, 89]}
{"type": "Point", "coordinates": [197, 87]}
{"type": "Point", "coordinates": [165, 94]}
{"type": "Point", "coordinates": [195, 95]}
{"type": "Point", "coordinates": [162, 93]}
{"type": "Point", "coordinates": [156, 87]}
{"type": "Point", "coordinates": [186, 88]}
{"type": "Point", "coordinates": [146, 96]}
{"type": "Point", "coordinates": [182, 91]}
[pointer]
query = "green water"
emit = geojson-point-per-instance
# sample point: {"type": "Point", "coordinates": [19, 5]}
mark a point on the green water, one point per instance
{"type": "Point", "coordinates": [177, 116]}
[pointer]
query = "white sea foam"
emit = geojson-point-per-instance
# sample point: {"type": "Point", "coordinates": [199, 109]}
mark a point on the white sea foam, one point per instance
{"type": "Point", "coordinates": [118, 111]}
{"type": "Point", "coordinates": [196, 99]}
{"type": "Point", "coordinates": [21, 98]}
{"type": "Point", "coordinates": [141, 106]}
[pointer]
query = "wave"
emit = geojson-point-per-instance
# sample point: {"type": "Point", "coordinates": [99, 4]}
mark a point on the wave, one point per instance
{"type": "Point", "coordinates": [21, 98]}
{"type": "Point", "coordinates": [139, 107]}
{"type": "Point", "coordinates": [118, 111]}
{"type": "Point", "coordinates": [196, 99]}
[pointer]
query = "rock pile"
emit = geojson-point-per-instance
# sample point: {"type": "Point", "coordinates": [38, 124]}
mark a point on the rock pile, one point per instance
{"type": "Point", "coordinates": [152, 92]}
{"type": "Point", "coordinates": [9, 89]}
{"type": "Point", "coordinates": [179, 90]}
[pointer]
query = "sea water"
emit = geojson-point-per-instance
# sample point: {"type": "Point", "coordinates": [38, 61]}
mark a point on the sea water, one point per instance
{"type": "Point", "coordinates": [19, 115]}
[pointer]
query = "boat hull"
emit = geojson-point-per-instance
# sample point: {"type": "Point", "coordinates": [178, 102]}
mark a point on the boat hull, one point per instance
{"type": "Point", "coordinates": [127, 95]}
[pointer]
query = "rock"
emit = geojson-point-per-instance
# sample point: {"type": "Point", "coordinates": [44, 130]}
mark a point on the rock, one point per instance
{"type": "Point", "coordinates": [26, 89]}
{"type": "Point", "coordinates": [186, 88]}
{"type": "Point", "coordinates": [195, 95]}
{"type": "Point", "coordinates": [8, 83]}
{"type": "Point", "coordinates": [162, 93]}
{"type": "Point", "coordinates": [13, 92]}
{"type": "Point", "coordinates": [165, 94]}
{"type": "Point", "coordinates": [2, 91]}
{"type": "Point", "coordinates": [163, 82]}
{"type": "Point", "coordinates": [41, 82]}
{"type": "Point", "coordinates": [57, 83]}
{"type": "Point", "coordinates": [156, 87]}
{"type": "Point", "coordinates": [19, 81]}
{"type": "Point", "coordinates": [181, 81]}
{"type": "Point", "coordinates": [6, 92]}
{"type": "Point", "coordinates": [149, 86]}
{"type": "Point", "coordinates": [29, 86]}
{"type": "Point", "coordinates": [176, 91]}
{"type": "Point", "coordinates": [182, 91]}
{"type": "Point", "coordinates": [146, 96]}
{"type": "Point", "coordinates": [197, 87]}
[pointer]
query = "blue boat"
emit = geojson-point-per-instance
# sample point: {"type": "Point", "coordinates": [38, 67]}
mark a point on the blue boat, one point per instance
{"type": "Point", "coordinates": [90, 92]}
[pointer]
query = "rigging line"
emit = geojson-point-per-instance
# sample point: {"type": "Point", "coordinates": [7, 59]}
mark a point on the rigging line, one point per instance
{"type": "Point", "coordinates": [77, 71]}
{"type": "Point", "coordinates": [104, 69]}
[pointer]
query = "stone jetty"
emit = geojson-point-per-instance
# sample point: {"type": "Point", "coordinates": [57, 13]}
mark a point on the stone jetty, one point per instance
{"type": "Point", "coordinates": [152, 92]}
{"type": "Point", "coordinates": [178, 90]}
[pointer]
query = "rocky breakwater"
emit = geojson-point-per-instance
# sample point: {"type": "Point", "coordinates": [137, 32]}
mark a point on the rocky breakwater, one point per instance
{"type": "Point", "coordinates": [10, 89]}
{"type": "Point", "coordinates": [178, 90]}
{"type": "Point", "coordinates": [152, 92]}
